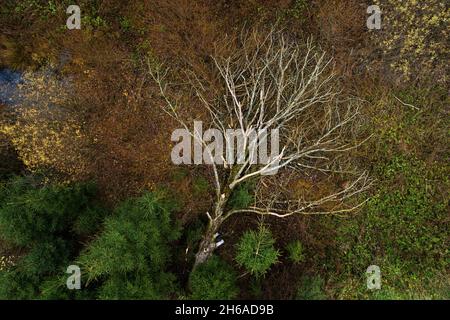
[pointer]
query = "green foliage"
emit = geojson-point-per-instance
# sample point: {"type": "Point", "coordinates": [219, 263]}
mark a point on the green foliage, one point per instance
{"type": "Point", "coordinates": [194, 233]}
{"type": "Point", "coordinates": [256, 287]}
{"type": "Point", "coordinates": [404, 227]}
{"type": "Point", "coordinates": [138, 285]}
{"type": "Point", "coordinates": [39, 219]}
{"type": "Point", "coordinates": [129, 259]}
{"type": "Point", "coordinates": [242, 197]}
{"type": "Point", "coordinates": [43, 8]}
{"type": "Point", "coordinates": [90, 16]}
{"type": "Point", "coordinates": [403, 230]}
{"type": "Point", "coordinates": [125, 24]}
{"type": "Point", "coordinates": [311, 288]}
{"type": "Point", "coordinates": [298, 8]}
{"type": "Point", "coordinates": [31, 211]}
{"type": "Point", "coordinates": [213, 280]}
{"type": "Point", "coordinates": [296, 251]}
{"type": "Point", "coordinates": [94, 22]}
{"type": "Point", "coordinates": [46, 257]}
{"type": "Point", "coordinates": [55, 288]}
{"type": "Point", "coordinates": [18, 285]}
{"type": "Point", "coordinates": [88, 222]}
{"type": "Point", "coordinates": [200, 186]}
{"type": "Point", "coordinates": [401, 222]}
{"type": "Point", "coordinates": [256, 251]}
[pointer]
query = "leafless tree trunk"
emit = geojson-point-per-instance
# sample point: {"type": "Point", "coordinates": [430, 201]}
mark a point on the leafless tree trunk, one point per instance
{"type": "Point", "coordinates": [273, 83]}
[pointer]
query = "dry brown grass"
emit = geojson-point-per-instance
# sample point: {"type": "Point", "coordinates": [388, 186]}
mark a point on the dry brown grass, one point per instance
{"type": "Point", "coordinates": [341, 28]}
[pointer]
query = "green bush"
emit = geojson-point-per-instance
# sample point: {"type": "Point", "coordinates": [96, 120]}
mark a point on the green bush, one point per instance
{"type": "Point", "coordinates": [242, 197]}
{"type": "Point", "coordinates": [213, 280]}
{"type": "Point", "coordinates": [296, 251]}
{"type": "Point", "coordinates": [125, 24]}
{"type": "Point", "coordinates": [256, 252]}
{"type": "Point", "coordinates": [39, 219]}
{"type": "Point", "coordinates": [31, 210]}
{"type": "Point", "coordinates": [55, 288]}
{"type": "Point", "coordinates": [16, 285]}
{"type": "Point", "coordinates": [129, 259]}
{"type": "Point", "coordinates": [311, 288]}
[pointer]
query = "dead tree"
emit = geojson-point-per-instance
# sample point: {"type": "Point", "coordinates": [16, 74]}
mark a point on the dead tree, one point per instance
{"type": "Point", "coordinates": [273, 83]}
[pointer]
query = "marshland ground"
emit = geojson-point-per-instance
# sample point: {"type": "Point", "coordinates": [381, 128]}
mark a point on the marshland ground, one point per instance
{"type": "Point", "coordinates": [86, 176]}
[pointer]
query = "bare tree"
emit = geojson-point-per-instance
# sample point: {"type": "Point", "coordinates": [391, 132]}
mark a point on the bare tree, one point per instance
{"type": "Point", "coordinates": [273, 83]}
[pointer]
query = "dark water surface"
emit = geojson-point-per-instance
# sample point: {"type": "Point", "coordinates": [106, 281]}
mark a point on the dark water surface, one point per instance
{"type": "Point", "coordinates": [9, 80]}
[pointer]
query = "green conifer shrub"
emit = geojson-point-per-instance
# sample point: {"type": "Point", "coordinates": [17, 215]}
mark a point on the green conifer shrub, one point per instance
{"type": "Point", "coordinates": [130, 258]}
{"type": "Point", "coordinates": [213, 280]}
{"type": "Point", "coordinates": [256, 251]}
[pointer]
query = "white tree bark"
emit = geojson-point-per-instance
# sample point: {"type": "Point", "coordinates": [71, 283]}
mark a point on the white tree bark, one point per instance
{"type": "Point", "coordinates": [273, 83]}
